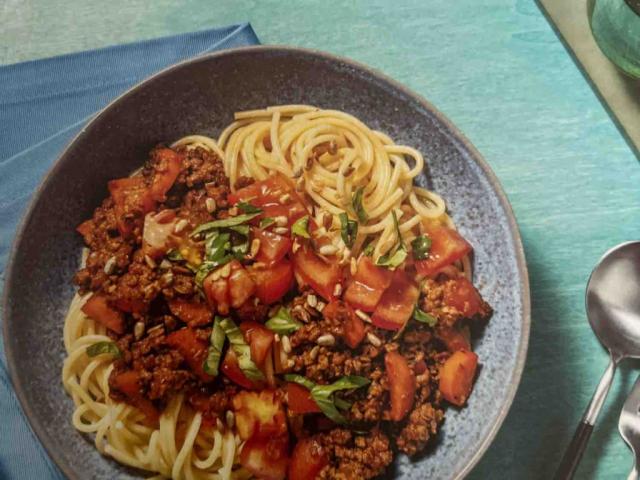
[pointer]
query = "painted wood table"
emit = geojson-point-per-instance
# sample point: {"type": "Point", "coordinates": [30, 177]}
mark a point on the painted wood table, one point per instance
{"type": "Point", "coordinates": [497, 69]}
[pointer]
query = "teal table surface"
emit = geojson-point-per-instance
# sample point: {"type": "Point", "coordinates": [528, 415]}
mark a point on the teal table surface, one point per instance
{"type": "Point", "coordinates": [497, 69]}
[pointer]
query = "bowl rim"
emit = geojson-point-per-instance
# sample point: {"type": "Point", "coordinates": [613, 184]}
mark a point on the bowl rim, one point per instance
{"type": "Point", "coordinates": [37, 426]}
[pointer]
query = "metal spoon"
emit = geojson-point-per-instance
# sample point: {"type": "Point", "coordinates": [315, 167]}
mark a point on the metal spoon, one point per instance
{"type": "Point", "coordinates": [613, 309]}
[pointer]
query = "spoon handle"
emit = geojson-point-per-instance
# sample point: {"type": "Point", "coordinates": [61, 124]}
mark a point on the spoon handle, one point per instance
{"type": "Point", "coordinates": [573, 453]}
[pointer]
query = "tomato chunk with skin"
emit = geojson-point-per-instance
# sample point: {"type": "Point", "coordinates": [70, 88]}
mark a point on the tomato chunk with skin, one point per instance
{"type": "Point", "coordinates": [193, 314]}
{"type": "Point", "coordinates": [259, 414]}
{"type": "Point", "coordinates": [453, 339]}
{"type": "Point", "coordinates": [128, 383]}
{"type": "Point", "coordinates": [232, 370]}
{"type": "Point", "coordinates": [260, 340]}
{"type": "Point", "coordinates": [402, 385]}
{"type": "Point", "coordinates": [352, 325]}
{"type": "Point", "coordinates": [457, 375]}
{"type": "Point", "coordinates": [132, 200]}
{"type": "Point", "coordinates": [447, 246]}
{"type": "Point", "coordinates": [307, 460]}
{"type": "Point", "coordinates": [299, 400]}
{"type": "Point", "coordinates": [464, 297]}
{"type": "Point", "coordinates": [241, 285]}
{"type": "Point", "coordinates": [216, 291]}
{"type": "Point", "coordinates": [97, 308]}
{"type": "Point", "coordinates": [397, 303]}
{"type": "Point", "coordinates": [166, 172]}
{"type": "Point", "coordinates": [273, 282]}
{"type": "Point", "coordinates": [273, 247]}
{"type": "Point", "coordinates": [267, 195]}
{"type": "Point", "coordinates": [367, 285]}
{"type": "Point", "coordinates": [266, 458]}
{"type": "Point", "coordinates": [192, 349]}
{"type": "Point", "coordinates": [315, 272]}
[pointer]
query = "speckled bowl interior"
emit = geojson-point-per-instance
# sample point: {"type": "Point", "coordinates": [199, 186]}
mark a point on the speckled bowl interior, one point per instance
{"type": "Point", "coordinates": [200, 96]}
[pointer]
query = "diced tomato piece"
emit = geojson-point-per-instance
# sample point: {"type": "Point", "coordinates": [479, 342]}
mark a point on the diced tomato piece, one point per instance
{"type": "Point", "coordinates": [266, 458]}
{"type": "Point", "coordinates": [85, 228]}
{"type": "Point", "coordinates": [307, 460]}
{"type": "Point", "coordinates": [157, 232]}
{"type": "Point", "coordinates": [402, 385]}
{"type": "Point", "coordinates": [368, 285]}
{"type": "Point", "coordinates": [97, 308]}
{"type": "Point", "coordinates": [167, 170]}
{"type": "Point", "coordinates": [233, 372]}
{"type": "Point", "coordinates": [273, 282]}
{"type": "Point", "coordinates": [241, 286]}
{"type": "Point", "coordinates": [259, 414]}
{"type": "Point", "coordinates": [317, 273]}
{"type": "Point", "coordinates": [266, 194]}
{"type": "Point", "coordinates": [273, 247]}
{"type": "Point", "coordinates": [463, 296]}
{"type": "Point", "coordinates": [453, 339]}
{"type": "Point", "coordinates": [194, 314]}
{"type": "Point", "coordinates": [397, 303]}
{"type": "Point", "coordinates": [447, 246]}
{"type": "Point", "coordinates": [260, 340]}
{"type": "Point", "coordinates": [130, 305]}
{"type": "Point", "coordinates": [128, 383]}
{"type": "Point", "coordinates": [216, 290]}
{"type": "Point", "coordinates": [132, 201]}
{"type": "Point", "coordinates": [192, 349]}
{"type": "Point", "coordinates": [299, 400]}
{"type": "Point", "coordinates": [457, 375]}
{"type": "Point", "coordinates": [352, 326]}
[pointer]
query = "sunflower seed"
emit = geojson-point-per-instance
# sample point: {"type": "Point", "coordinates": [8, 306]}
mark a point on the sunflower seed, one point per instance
{"type": "Point", "coordinates": [138, 330]}
{"type": "Point", "coordinates": [181, 225]}
{"type": "Point", "coordinates": [110, 266]}
{"type": "Point", "coordinates": [210, 204]}
{"type": "Point", "coordinates": [337, 290]}
{"type": "Point", "coordinates": [314, 352]}
{"type": "Point", "coordinates": [312, 300]}
{"type": "Point", "coordinates": [373, 340]}
{"type": "Point", "coordinates": [363, 316]}
{"type": "Point", "coordinates": [225, 271]}
{"type": "Point", "coordinates": [150, 261]}
{"type": "Point", "coordinates": [328, 250]}
{"type": "Point", "coordinates": [286, 344]}
{"type": "Point", "coordinates": [284, 198]}
{"type": "Point", "coordinates": [281, 221]}
{"type": "Point", "coordinates": [326, 340]}
{"type": "Point", "coordinates": [255, 247]}
{"type": "Point", "coordinates": [281, 230]}
{"type": "Point", "coordinates": [320, 306]}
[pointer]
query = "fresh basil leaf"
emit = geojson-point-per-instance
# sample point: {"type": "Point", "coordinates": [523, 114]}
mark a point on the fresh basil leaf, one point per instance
{"type": "Point", "coordinates": [103, 347]}
{"type": "Point", "coordinates": [368, 250]}
{"type": "Point", "coordinates": [267, 222]}
{"type": "Point", "coordinates": [420, 247]}
{"type": "Point", "coordinates": [301, 227]}
{"type": "Point", "coordinates": [299, 379]}
{"type": "Point", "coordinates": [424, 317]}
{"type": "Point", "coordinates": [212, 362]}
{"type": "Point", "coordinates": [241, 229]}
{"type": "Point", "coordinates": [324, 395]}
{"type": "Point", "coordinates": [348, 229]}
{"type": "Point", "coordinates": [246, 207]}
{"type": "Point", "coordinates": [224, 223]}
{"type": "Point", "coordinates": [356, 202]}
{"type": "Point", "coordinates": [393, 258]}
{"type": "Point", "coordinates": [241, 349]}
{"type": "Point", "coordinates": [282, 322]}
{"type": "Point", "coordinates": [216, 245]}
{"type": "Point", "coordinates": [397, 225]}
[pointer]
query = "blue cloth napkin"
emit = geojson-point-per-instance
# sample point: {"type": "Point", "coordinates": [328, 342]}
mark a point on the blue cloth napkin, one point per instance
{"type": "Point", "coordinates": [43, 104]}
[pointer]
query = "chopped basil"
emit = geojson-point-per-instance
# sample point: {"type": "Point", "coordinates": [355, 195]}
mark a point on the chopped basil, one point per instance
{"type": "Point", "coordinates": [424, 317]}
{"type": "Point", "coordinates": [224, 223]}
{"type": "Point", "coordinates": [397, 226]}
{"type": "Point", "coordinates": [241, 349]}
{"type": "Point", "coordinates": [348, 229]}
{"type": "Point", "coordinates": [267, 222]}
{"type": "Point", "coordinates": [368, 250]}
{"type": "Point", "coordinates": [221, 247]}
{"type": "Point", "coordinates": [246, 207]}
{"type": "Point", "coordinates": [282, 322]}
{"type": "Point", "coordinates": [174, 255]}
{"type": "Point", "coordinates": [304, 381]}
{"type": "Point", "coordinates": [356, 202]}
{"type": "Point", "coordinates": [301, 227]}
{"type": "Point", "coordinates": [324, 396]}
{"type": "Point", "coordinates": [393, 258]}
{"type": "Point", "coordinates": [420, 247]}
{"type": "Point", "coordinates": [104, 347]}
{"type": "Point", "coordinates": [216, 341]}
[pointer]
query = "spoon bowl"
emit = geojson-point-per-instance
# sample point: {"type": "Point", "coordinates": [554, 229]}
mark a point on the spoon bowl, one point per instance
{"type": "Point", "coordinates": [613, 300]}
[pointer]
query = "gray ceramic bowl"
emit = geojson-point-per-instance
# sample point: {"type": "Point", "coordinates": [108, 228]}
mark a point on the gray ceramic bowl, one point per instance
{"type": "Point", "coordinates": [199, 96]}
